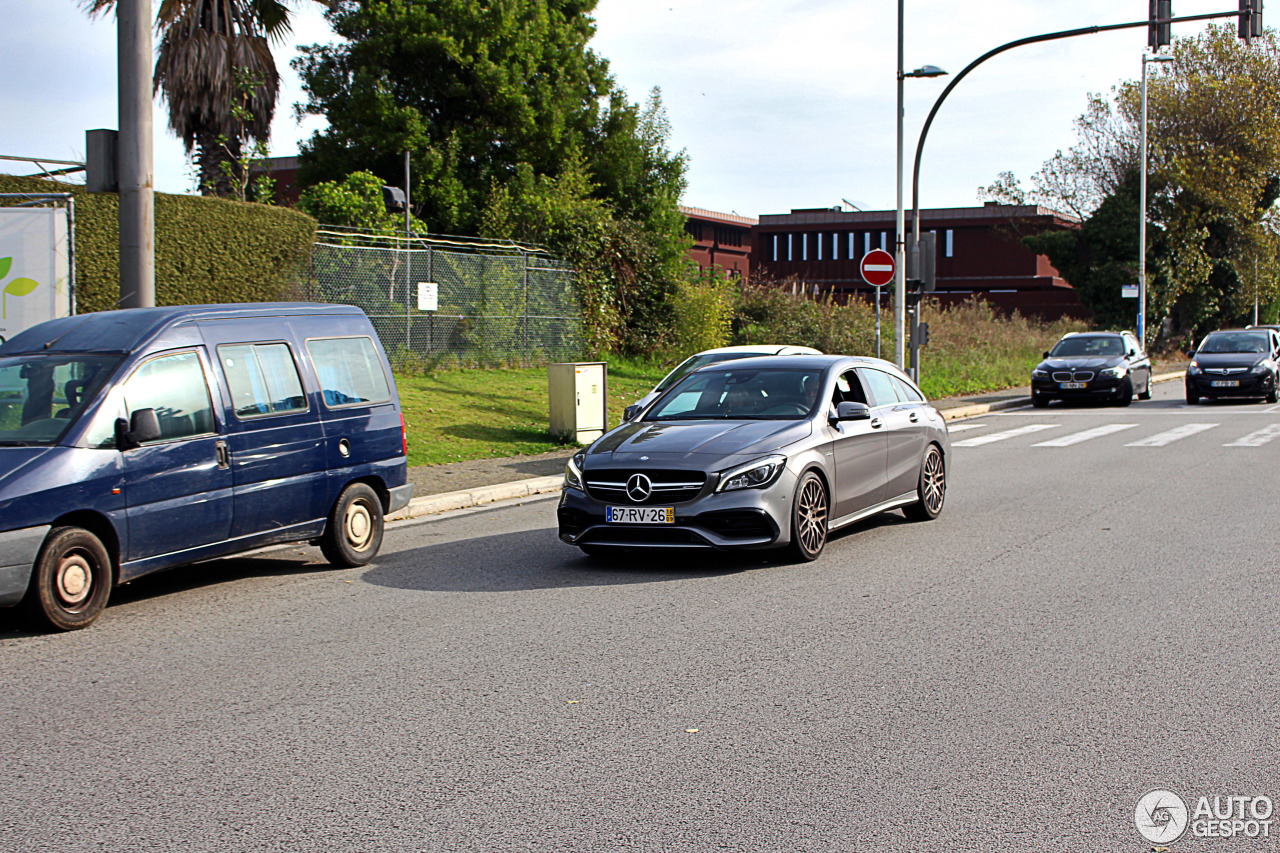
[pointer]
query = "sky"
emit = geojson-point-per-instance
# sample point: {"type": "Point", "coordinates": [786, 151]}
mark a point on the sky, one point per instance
{"type": "Point", "coordinates": [779, 104]}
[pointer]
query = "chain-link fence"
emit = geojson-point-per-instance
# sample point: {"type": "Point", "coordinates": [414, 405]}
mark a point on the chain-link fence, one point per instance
{"type": "Point", "coordinates": [497, 303]}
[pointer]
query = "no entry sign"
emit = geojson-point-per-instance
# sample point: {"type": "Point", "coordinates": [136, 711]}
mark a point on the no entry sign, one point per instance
{"type": "Point", "coordinates": [877, 268]}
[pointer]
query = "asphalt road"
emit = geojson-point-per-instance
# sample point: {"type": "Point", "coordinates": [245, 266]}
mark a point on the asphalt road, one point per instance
{"type": "Point", "coordinates": [1087, 620]}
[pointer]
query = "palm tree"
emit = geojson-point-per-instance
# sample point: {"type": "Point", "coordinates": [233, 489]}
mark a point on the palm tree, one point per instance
{"type": "Point", "coordinates": [215, 68]}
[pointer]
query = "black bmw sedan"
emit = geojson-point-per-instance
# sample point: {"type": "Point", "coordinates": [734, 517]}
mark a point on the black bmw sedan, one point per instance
{"type": "Point", "coordinates": [1235, 363]}
{"type": "Point", "coordinates": [1107, 366]}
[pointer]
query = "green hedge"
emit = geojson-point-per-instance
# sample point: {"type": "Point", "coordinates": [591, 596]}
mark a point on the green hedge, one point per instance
{"type": "Point", "coordinates": [207, 249]}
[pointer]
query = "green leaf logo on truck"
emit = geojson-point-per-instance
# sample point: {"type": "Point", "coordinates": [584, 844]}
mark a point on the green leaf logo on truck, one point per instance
{"type": "Point", "coordinates": [17, 287]}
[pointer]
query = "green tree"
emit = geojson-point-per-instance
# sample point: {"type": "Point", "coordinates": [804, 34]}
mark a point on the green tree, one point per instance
{"type": "Point", "coordinates": [354, 202]}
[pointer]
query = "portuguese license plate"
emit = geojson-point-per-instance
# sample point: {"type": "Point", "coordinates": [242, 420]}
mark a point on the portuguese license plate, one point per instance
{"type": "Point", "coordinates": [640, 514]}
{"type": "Point", "coordinates": [1072, 386]}
{"type": "Point", "coordinates": [1225, 383]}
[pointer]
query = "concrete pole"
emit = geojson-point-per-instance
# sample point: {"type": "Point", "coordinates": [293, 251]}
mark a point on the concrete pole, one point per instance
{"type": "Point", "coordinates": [1142, 214]}
{"type": "Point", "coordinates": [899, 255]}
{"type": "Point", "coordinates": [134, 163]}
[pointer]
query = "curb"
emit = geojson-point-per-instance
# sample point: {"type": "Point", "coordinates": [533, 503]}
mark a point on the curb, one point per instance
{"type": "Point", "coordinates": [972, 411]}
{"type": "Point", "coordinates": [466, 498]}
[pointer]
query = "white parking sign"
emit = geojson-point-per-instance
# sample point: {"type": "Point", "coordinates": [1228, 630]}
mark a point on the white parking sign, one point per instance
{"type": "Point", "coordinates": [427, 297]}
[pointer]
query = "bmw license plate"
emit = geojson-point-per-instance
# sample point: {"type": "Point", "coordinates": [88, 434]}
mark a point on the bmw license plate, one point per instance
{"type": "Point", "coordinates": [1072, 386]}
{"type": "Point", "coordinates": [640, 514]}
{"type": "Point", "coordinates": [1225, 383]}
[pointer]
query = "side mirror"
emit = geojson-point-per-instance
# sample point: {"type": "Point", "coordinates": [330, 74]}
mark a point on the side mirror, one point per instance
{"type": "Point", "coordinates": [848, 411]}
{"type": "Point", "coordinates": [143, 426]}
{"type": "Point", "coordinates": [1046, 354]}
{"type": "Point", "coordinates": [630, 412]}
{"type": "Point", "coordinates": [1132, 353]}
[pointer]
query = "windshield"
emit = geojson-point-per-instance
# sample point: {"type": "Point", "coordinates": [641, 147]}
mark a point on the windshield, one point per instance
{"type": "Point", "coordinates": [1091, 346]}
{"type": "Point", "coordinates": [1235, 342]}
{"type": "Point", "coordinates": [781, 394]}
{"type": "Point", "coordinates": [693, 363]}
{"type": "Point", "coordinates": [42, 395]}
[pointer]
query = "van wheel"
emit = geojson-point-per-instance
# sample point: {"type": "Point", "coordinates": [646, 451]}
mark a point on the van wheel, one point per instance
{"type": "Point", "coordinates": [354, 532]}
{"type": "Point", "coordinates": [72, 580]}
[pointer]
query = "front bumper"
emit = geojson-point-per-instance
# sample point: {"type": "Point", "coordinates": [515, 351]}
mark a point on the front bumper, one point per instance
{"type": "Point", "coordinates": [1251, 384]}
{"type": "Point", "coordinates": [18, 552]}
{"type": "Point", "coordinates": [1097, 387]}
{"type": "Point", "coordinates": [742, 519]}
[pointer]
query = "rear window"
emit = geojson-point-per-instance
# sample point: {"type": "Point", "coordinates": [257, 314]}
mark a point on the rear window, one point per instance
{"type": "Point", "coordinates": [349, 371]}
{"type": "Point", "coordinates": [263, 379]}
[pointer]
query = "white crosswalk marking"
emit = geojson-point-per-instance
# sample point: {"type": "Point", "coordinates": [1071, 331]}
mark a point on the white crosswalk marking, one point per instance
{"type": "Point", "coordinates": [963, 427]}
{"type": "Point", "coordinates": [1077, 437]}
{"type": "Point", "coordinates": [1257, 438]}
{"type": "Point", "coordinates": [1001, 436]}
{"type": "Point", "coordinates": [1160, 439]}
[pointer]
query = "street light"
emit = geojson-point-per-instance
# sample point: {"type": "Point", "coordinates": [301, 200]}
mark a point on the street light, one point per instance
{"type": "Point", "coordinates": [900, 253]}
{"type": "Point", "coordinates": [1142, 202]}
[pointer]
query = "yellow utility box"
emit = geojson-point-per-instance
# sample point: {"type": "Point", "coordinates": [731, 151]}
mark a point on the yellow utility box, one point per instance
{"type": "Point", "coordinates": [579, 400]}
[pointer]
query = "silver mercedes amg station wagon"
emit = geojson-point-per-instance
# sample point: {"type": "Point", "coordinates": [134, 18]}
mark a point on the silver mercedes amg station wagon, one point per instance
{"type": "Point", "coordinates": [760, 453]}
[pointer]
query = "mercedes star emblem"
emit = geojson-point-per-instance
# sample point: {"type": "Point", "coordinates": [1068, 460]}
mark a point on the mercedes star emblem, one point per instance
{"type": "Point", "coordinates": [639, 488]}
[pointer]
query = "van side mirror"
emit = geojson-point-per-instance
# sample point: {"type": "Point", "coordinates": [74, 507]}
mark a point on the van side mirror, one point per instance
{"type": "Point", "coordinates": [143, 426]}
{"type": "Point", "coordinates": [630, 412]}
{"type": "Point", "coordinates": [850, 411]}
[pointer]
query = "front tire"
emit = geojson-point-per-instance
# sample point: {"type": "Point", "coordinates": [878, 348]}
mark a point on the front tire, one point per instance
{"type": "Point", "coordinates": [72, 580]}
{"type": "Point", "coordinates": [1039, 401]}
{"type": "Point", "coordinates": [809, 513]}
{"type": "Point", "coordinates": [1124, 394]}
{"type": "Point", "coordinates": [1273, 396]}
{"type": "Point", "coordinates": [1192, 397]}
{"type": "Point", "coordinates": [931, 488]}
{"type": "Point", "coordinates": [354, 532]}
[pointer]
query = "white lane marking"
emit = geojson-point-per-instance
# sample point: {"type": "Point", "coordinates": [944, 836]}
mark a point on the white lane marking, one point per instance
{"type": "Point", "coordinates": [1086, 435]}
{"type": "Point", "coordinates": [1258, 438]}
{"type": "Point", "coordinates": [1271, 410]}
{"type": "Point", "coordinates": [1001, 436]}
{"type": "Point", "coordinates": [963, 427]}
{"type": "Point", "coordinates": [1160, 439]}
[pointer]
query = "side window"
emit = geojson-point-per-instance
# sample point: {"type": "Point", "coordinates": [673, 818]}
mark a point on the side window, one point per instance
{"type": "Point", "coordinates": [905, 392]}
{"type": "Point", "coordinates": [173, 385]}
{"type": "Point", "coordinates": [849, 389]}
{"type": "Point", "coordinates": [263, 379]}
{"type": "Point", "coordinates": [349, 371]}
{"type": "Point", "coordinates": [881, 385]}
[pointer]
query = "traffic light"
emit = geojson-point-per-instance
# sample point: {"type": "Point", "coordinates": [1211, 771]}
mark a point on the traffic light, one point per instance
{"type": "Point", "coordinates": [922, 334]}
{"type": "Point", "coordinates": [921, 264]}
{"type": "Point", "coordinates": [1158, 34]}
{"type": "Point", "coordinates": [1250, 19]}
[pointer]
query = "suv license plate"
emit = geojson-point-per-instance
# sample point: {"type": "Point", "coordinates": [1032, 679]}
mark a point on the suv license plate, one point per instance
{"type": "Point", "coordinates": [1072, 386]}
{"type": "Point", "coordinates": [1225, 383]}
{"type": "Point", "coordinates": [640, 514]}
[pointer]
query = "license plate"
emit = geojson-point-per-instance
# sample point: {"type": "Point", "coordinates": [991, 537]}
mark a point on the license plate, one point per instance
{"type": "Point", "coordinates": [1225, 383]}
{"type": "Point", "coordinates": [1072, 386]}
{"type": "Point", "coordinates": [640, 514]}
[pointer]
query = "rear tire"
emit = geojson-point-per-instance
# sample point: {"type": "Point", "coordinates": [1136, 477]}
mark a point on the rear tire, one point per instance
{"type": "Point", "coordinates": [354, 532]}
{"type": "Point", "coordinates": [931, 488]}
{"type": "Point", "coordinates": [71, 582]}
{"type": "Point", "coordinates": [809, 513]}
{"type": "Point", "coordinates": [1145, 394]}
{"type": "Point", "coordinates": [1273, 396]}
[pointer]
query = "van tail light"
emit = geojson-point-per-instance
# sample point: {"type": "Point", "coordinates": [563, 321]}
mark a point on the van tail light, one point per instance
{"type": "Point", "coordinates": [404, 434]}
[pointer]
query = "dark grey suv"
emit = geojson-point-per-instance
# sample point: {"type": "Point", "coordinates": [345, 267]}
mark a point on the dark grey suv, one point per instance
{"type": "Point", "coordinates": [760, 453]}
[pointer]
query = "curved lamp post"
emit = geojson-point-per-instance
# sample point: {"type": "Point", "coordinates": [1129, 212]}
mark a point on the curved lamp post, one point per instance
{"type": "Point", "coordinates": [1142, 203]}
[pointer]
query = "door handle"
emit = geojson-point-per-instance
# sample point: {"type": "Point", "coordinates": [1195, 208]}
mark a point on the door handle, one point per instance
{"type": "Point", "coordinates": [876, 423]}
{"type": "Point", "coordinates": [915, 418]}
{"type": "Point", "coordinates": [223, 454]}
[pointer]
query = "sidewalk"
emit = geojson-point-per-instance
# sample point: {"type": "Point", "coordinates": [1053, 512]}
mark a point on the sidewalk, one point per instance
{"type": "Point", "coordinates": [460, 485]}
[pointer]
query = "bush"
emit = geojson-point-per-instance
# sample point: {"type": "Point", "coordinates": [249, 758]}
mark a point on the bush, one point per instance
{"type": "Point", "coordinates": [768, 313]}
{"type": "Point", "coordinates": [703, 310]}
{"type": "Point", "coordinates": [208, 250]}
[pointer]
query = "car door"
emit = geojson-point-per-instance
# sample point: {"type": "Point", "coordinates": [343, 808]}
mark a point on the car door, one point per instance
{"type": "Point", "coordinates": [1139, 363]}
{"type": "Point", "coordinates": [859, 447]}
{"type": "Point", "coordinates": [903, 439]}
{"type": "Point", "coordinates": [177, 487]}
{"type": "Point", "coordinates": [275, 436]}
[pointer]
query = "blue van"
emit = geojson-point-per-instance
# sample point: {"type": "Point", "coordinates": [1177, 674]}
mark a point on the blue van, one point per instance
{"type": "Point", "coordinates": [138, 440]}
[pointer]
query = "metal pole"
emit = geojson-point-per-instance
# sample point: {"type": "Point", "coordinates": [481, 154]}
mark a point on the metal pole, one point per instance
{"type": "Point", "coordinates": [71, 251]}
{"type": "Point", "coordinates": [134, 164]}
{"type": "Point", "coordinates": [877, 290]}
{"type": "Point", "coordinates": [1142, 213]}
{"type": "Point", "coordinates": [408, 262]}
{"type": "Point", "coordinates": [899, 256]}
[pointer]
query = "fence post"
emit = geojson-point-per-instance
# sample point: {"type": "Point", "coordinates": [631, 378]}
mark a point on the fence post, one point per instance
{"type": "Point", "coordinates": [526, 306]}
{"type": "Point", "coordinates": [408, 297]}
{"type": "Point", "coordinates": [430, 277]}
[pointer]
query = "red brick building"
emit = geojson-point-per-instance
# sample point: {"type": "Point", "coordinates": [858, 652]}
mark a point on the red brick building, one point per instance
{"type": "Point", "coordinates": [979, 253]}
{"type": "Point", "coordinates": [720, 240]}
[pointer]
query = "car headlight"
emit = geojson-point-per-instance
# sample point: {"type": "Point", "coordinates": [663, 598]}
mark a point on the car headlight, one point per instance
{"type": "Point", "coordinates": [1115, 372]}
{"type": "Point", "coordinates": [1039, 373]}
{"type": "Point", "coordinates": [573, 471]}
{"type": "Point", "coordinates": [1263, 366]}
{"type": "Point", "coordinates": [753, 475]}
{"type": "Point", "coordinates": [1193, 368]}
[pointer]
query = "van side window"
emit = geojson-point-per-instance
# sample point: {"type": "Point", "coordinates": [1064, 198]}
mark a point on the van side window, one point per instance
{"type": "Point", "coordinates": [263, 379]}
{"type": "Point", "coordinates": [175, 387]}
{"type": "Point", "coordinates": [349, 371]}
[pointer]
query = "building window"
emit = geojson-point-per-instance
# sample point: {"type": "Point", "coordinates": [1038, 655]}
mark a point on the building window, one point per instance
{"type": "Point", "coordinates": [866, 242]}
{"type": "Point", "coordinates": [851, 245]}
{"type": "Point", "coordinates": [789, 242]}
{"type": "Point", "coordinates": [884, 237]}
{"type": "Point", "coordinates": [775, 247]}
{"type": "Point", "coordinates": [804, 246]}
{"type": "Point", "coordinates": [949, 238]}
{"type": "Point", "coordinates": [819, 238]}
